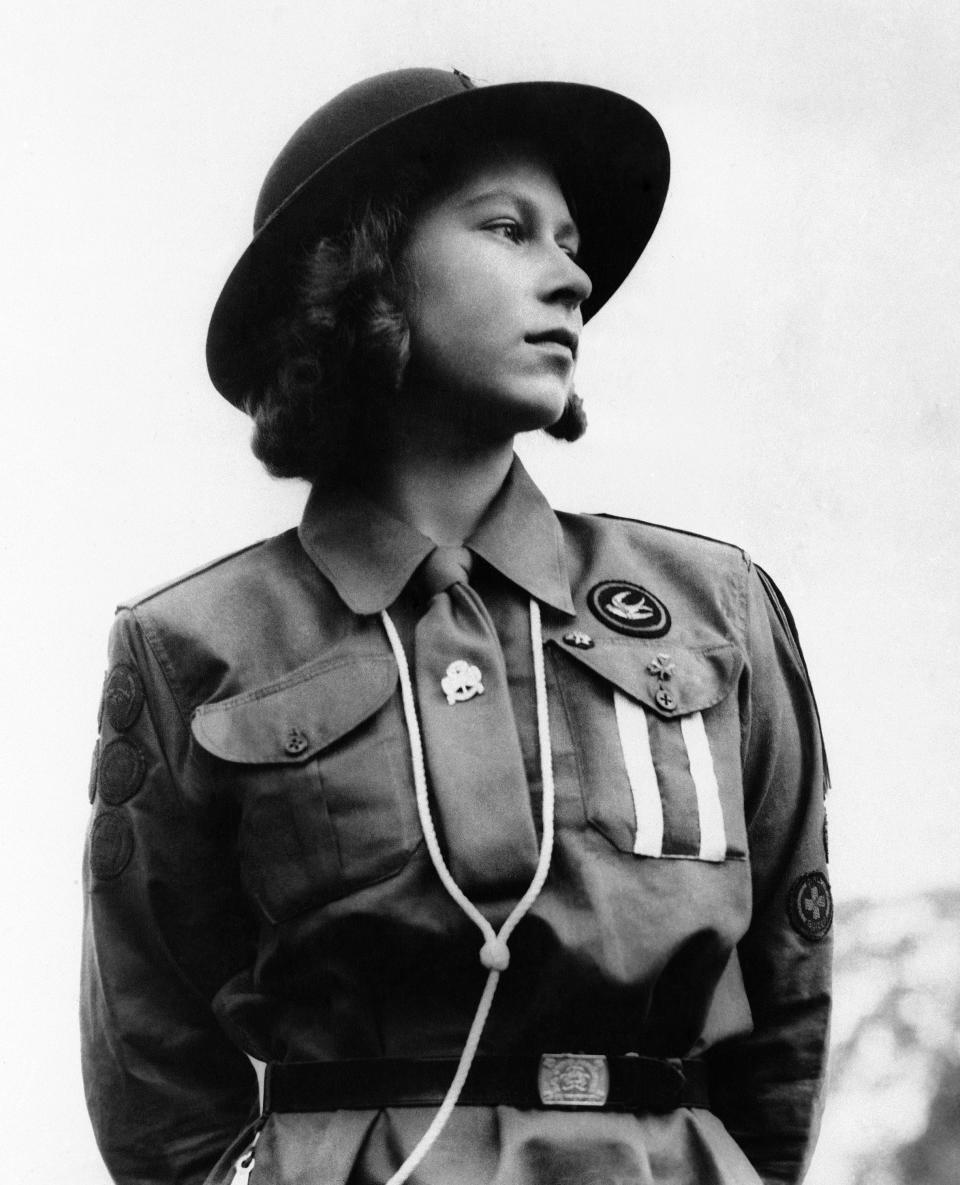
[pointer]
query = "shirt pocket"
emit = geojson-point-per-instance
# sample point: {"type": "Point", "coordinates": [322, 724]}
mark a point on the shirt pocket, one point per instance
{"type": "Point", "coordinates": [318, 762]}
{"type": "Point", "coordinates": [657, 734]}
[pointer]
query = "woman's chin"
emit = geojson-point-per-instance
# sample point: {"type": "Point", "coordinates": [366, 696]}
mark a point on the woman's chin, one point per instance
{"type": "Point", "coordinates": [534, 411]}
{"type": "Point", "coordinates": [494, 415]}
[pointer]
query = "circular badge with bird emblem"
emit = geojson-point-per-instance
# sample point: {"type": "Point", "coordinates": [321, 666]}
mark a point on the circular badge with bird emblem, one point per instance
{"type": "Point", "coordinates": [629, 609]}
{"type": "Point", "coordinates": [810, 906]}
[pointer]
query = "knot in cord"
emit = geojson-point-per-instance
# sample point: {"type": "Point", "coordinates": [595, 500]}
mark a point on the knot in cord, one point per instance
{"type": "Point", "coordinates": [495, 955]}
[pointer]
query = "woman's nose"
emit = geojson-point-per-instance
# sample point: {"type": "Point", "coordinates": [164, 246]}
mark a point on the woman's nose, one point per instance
{"type": "Point", "coordinates": [567, 282]}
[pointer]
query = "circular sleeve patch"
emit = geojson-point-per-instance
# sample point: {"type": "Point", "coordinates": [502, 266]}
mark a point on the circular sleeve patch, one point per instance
{"type": "Point", "coordinates": [122, 766]}
{"type": "Point", "coordinates": [629, 609]}
{"type": "Point", "coordinates": [94, 766]}
{"type": "Point", "coordinates": [111, 845]}
{"type": "Point", "coordinates": [810, 906]}
{"type": "Point", "coordinates": [123, 696]}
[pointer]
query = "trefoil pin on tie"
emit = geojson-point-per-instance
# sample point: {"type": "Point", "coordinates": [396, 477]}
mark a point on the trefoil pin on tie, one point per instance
{"type": "Point", "coordinates": [462, 681]}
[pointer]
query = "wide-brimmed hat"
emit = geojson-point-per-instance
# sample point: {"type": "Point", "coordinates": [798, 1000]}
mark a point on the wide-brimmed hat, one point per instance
{"type": "Point", "coordinates": [610, 154]}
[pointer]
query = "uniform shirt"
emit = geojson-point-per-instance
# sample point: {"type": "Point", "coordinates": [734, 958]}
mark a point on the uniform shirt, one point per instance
{"type": "Point", "coordinates": [257, 881]}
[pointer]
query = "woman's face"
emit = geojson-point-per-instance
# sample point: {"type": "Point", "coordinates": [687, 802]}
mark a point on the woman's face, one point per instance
{"type": "Point", "coordinates": [493, 298]}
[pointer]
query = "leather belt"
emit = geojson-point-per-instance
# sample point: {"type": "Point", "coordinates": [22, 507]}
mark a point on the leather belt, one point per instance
{"type": "Point", "coordinates": [563, 1080]}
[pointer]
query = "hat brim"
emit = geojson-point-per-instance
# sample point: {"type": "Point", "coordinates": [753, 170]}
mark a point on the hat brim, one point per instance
{"type": "Point", "coordinates": [610, 152]}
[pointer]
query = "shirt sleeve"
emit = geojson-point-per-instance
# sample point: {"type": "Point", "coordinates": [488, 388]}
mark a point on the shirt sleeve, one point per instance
{"type": "Point", "coordinates": [768, 1087]}
{"type": "Point", "coordinates": [164, 929]}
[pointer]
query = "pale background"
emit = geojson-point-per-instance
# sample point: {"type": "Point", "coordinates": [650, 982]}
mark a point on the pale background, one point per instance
{"type": "Point", "coordinates": [780, 370]}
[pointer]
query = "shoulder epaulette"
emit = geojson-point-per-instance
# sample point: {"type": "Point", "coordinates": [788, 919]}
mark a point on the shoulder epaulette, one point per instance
{"type": "Point", "coordinates": [141, 598]}
{"type": "Point", "coordinates": [672, 530]}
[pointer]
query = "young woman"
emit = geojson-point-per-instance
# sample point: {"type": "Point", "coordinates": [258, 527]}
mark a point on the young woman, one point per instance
{"type": "Point", "coordinates": [497, 833]}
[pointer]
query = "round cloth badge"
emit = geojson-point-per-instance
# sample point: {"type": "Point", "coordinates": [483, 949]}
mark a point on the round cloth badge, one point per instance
{"type": "Point", "coordinates": [111, 845]}
{"type": "Point", "coordinates": [810, 906]}
{"type": "Point", "coordinates": [122, 766]}
{"type": "Point", "coordinates": [629, 609]}
{"type": "Point", "coordinates": [123, 696]}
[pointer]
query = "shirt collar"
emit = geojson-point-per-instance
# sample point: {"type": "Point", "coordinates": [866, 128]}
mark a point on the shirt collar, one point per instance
{"type": "Point", "coordinates": [369, 556]}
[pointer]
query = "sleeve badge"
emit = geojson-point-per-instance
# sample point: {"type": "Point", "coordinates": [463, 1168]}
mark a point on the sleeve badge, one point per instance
{"type": "Point", "coordinates": [810, 906]}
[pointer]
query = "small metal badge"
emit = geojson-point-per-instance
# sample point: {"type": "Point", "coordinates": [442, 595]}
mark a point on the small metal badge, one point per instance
{"type": "Point", "coordinates": [573, 1080]}
{"type": "Point", "coordinates": [461, 682]}
{"type": "Point", "coordinates": [578, 640]}
{"type": "Point", "coordinates": [662, 666]}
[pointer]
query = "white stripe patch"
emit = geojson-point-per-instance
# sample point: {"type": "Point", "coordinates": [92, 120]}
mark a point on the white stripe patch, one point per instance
{"type": "Point", "coordinates": [635, 743]}
{"type": "Point", "coordinates": [713, 836]}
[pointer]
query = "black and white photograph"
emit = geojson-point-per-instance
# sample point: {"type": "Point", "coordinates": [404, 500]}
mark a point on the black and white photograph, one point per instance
{"type": "Point", "coordinates": [483, 501]}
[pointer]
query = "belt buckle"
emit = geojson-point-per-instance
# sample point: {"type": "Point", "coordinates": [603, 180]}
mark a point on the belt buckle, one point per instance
{"type": "Point", "coordinates": [573, 1079]}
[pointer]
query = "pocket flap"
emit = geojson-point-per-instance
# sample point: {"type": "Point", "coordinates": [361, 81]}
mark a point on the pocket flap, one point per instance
{"type": "Point", "coordinates": [294, 717]}
{"type": "Point", "coordinates": [696, 678]}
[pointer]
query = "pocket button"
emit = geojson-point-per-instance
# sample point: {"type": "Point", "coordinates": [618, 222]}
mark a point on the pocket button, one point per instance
{"type": "Point", "coordinates": [296, 742]}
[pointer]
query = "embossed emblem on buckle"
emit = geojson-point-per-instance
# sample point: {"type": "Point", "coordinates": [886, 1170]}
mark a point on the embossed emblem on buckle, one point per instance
{"type": "Point", "coordinates": [573, 1080]}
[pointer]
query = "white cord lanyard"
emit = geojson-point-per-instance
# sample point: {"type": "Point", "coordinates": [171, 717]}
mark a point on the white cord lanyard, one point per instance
{"type": "Point", "coordinates": [494, 953]}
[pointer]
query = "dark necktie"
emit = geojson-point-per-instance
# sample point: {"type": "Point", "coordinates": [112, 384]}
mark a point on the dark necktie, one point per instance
{"type": "Point", "coordinates": [471, 746]}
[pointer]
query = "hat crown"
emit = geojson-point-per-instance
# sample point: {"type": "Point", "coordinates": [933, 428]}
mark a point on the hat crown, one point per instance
{"type": "Point", "coordinates": [348, 117]}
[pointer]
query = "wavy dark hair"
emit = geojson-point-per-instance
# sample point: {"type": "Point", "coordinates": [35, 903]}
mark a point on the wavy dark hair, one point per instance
{"type": "Point", "coordinates": [333, 360]}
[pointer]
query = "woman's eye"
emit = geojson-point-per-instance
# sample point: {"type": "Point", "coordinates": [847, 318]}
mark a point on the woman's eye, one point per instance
{"type": "Point", "coordinates": [509, 230]}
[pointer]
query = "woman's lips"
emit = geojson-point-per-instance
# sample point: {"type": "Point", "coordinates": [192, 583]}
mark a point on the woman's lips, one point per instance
{"type": "Point", "coordinates": [556, 339]}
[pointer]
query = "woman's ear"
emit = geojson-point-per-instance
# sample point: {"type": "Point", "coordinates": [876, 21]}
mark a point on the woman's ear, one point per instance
{"type": "Point", "coordinates": [572, 423]}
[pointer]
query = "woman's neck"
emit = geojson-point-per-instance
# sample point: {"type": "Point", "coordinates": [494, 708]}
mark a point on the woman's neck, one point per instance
{"type": "Point", "coordinates": [441, 486]}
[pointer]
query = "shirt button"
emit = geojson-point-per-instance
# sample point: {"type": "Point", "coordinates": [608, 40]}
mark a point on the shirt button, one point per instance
{"type": "Point", "coordinates": [578, 640]}
{"type": "Point", "coordinates": [665, 699]}
{"type": "Point", "coordinates": [296, 742]}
